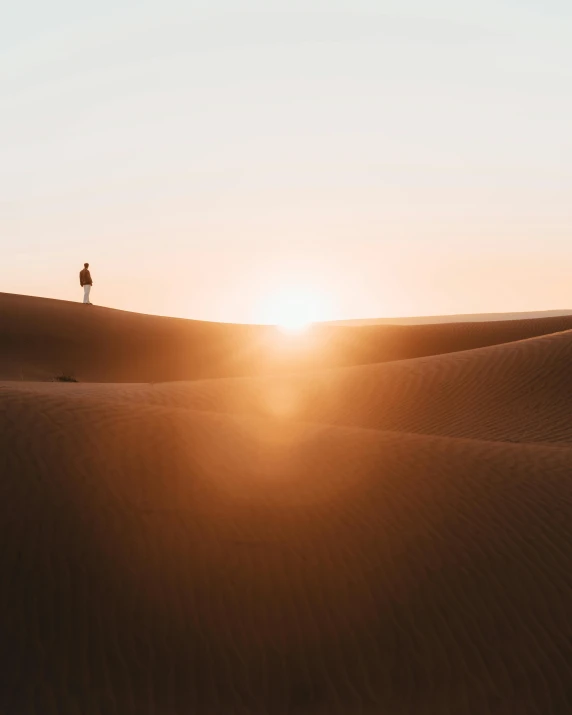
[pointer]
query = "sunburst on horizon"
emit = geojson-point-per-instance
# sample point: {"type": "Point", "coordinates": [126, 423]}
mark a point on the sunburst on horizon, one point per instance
{"type": "Point", "coordinates": [294, 310]}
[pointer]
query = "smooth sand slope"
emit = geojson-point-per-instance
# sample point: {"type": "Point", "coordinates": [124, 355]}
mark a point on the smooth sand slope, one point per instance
{"type": "Point", "coordinates": [379, 538]}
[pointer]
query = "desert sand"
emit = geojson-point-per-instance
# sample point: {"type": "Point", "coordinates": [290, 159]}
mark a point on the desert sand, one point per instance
{"type": "Point", "coordinates": [228, 519]}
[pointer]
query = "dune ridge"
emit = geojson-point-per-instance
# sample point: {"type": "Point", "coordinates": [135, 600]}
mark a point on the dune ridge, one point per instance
{"type": "Point", "coordinates": [390, 537]}
{"type": "Point", "coordinates": [458, 318]}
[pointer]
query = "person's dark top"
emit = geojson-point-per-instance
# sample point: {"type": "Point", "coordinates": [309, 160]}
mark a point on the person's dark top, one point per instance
{"type": "Point", "coordinates": [85, 278]}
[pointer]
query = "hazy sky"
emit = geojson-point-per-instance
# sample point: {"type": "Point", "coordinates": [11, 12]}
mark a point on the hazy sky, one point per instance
{"type": "Point", "coordinates": [364, 157]}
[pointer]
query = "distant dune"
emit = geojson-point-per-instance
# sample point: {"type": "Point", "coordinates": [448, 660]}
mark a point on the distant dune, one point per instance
{"type": "Point", "coordinates": [372, 520]}
{"type": "Point", "coordinates": [462, 318]}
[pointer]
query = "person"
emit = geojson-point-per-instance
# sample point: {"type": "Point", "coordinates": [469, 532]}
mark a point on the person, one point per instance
{"type": "Point", "coordinates": [86, 283]}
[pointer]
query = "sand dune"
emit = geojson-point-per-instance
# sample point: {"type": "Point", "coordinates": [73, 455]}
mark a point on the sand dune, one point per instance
{"type": "Point", "coordinates": [459, 318]}
{"type": "Point", "coordinates": [42, 338]}
{"type": "Point", "coordinates": [516, 392]}
{"type": "Point", "coordinates": [391, 537]}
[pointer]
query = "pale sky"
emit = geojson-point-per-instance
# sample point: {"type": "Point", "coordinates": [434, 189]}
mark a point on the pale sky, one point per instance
{"type": "Point", "coordinates": [362, 158]}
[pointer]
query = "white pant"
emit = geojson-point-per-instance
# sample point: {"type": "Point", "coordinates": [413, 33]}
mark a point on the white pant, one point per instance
{"type": "Point", "coordinates": [86, 290]}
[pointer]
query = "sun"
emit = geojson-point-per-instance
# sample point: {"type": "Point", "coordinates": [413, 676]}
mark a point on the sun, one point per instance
{"type": "Point", "coordinates": [294, 310]}
{"type": "Point", "coordinates": [294, 324]}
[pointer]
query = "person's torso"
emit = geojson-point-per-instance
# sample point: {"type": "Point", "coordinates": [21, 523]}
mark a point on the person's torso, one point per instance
{"type": "Point", "coordinates": [85, 277]}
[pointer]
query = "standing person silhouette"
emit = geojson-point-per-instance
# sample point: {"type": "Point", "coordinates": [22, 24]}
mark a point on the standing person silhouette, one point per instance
{"type": "Point", "coordinates": [86, 283]}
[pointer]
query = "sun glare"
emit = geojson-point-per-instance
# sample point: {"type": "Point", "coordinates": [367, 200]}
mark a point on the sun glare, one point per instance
{"type": "Point", "coordinates": [294, 311]}
{"type": "Point", "coordinates": [293, 327]}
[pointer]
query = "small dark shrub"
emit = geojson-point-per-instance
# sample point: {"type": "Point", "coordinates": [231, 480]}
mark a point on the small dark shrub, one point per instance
{"type": "Point", "coordinates": [64, 378]}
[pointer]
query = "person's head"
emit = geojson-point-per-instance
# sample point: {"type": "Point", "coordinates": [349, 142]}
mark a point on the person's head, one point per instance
{"type": "Point", "coordinates": [86, 265]}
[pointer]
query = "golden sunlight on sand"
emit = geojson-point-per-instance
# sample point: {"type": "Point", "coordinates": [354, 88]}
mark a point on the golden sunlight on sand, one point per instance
{"type": "Point", "coordinates": [219, 518]}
